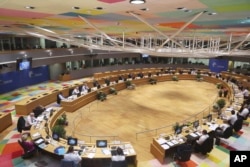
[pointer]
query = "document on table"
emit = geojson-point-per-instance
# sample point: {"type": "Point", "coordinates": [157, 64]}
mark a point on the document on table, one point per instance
{"type": "Point", "coordinates": [161, 141]}
{"type": "Point", "coordinates": [91, 155]}
{"type": "Point", "coordinates": [193, 135]}
{"type": "Point", "coordinates": [213, 126]}
{"type": "Point", "coordinates": [175, 141]}
{"type": "Point", "coordinates": [106, 151]}
{"type": "Point", "coordinates": [37, 134]}
{"type": "Point", "coordinates": [165, 146]}
{"type": "Point", "coordinates": [170, 143]}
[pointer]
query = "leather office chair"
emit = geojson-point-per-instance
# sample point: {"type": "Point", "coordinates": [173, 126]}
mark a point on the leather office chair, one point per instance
{"type": "Point", "coordinates": [21, 124]}
{"type": "Point", "coordinates": [67, 163]}
{"type": "Point", "coordinates": [227, 133]}
{"type": "Point", "coordinates": [238, 125]}
{"type": "Point", "coordinates": [119, 164]}
{"type": "Point", "coordinates": [183, 153]}
{"type": "Point", "coordinates": [207, 146]}
{"type": "Point", "coordinates": [27, 153]}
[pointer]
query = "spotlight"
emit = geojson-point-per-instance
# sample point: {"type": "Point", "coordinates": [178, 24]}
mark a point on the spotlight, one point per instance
{"type": "Point", "coordinates": [137, 1]}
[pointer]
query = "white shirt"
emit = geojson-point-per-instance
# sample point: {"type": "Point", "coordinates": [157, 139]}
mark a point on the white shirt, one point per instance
{"type": "Point", "coordinates": [84, 90]}
{"type": "Point", "coordinates": [75, 92]}
{"type": "Point", "coordinates": [245, 93]}
{"type": "Point", "coordinates": [30, 121]}
{"type": "Point", "coordinates": [202, 138]}
{"type": "Point", "coordinates": [73, 157]}
{"type": "Point", "coordinates": [232, 119]}
{"type": "Point", "coordinates": [118, 158]}
{"type": "Point", "coordinates": [244, 112]}
{"type": "Point", "coordinates": [61, 97]}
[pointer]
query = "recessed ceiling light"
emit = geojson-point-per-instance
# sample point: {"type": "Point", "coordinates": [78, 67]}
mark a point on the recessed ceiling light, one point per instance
{"type": "Point", "coordinates": [76, 7]}
{"type": "Point", "coordinates": [99, 8]}
{"type": "Point", "coordinates": [145, 9]}
{"type": "Point", "coordinates": [213, 13]}
{"type": "Point", "coordinates": [29, 7]}
{"type": "Point", "coordinates": [137, 1]}
{"type": "Point", "coordinates": [182, 8]}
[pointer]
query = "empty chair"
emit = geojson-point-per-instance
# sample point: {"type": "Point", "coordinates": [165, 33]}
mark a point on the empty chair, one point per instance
{"type": "Point", "coordinates": [183, 152]}
{"type": "Point", "coordinates": [119, 164]}
{"type": "Point", "coordinates": [67, 163]}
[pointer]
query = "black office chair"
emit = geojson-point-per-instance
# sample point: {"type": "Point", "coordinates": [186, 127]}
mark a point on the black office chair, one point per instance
{"type": "Point", "coordinates": [228, 132]}
{"type": "Point", "coordinates": [183, 153]}
{"type": "Point", "coordinates": [21, 124]}
{"type": "Point", "coordinates": [238, 124]}
{"type": "Point", "coordinates": [119, 164]}
{"type": "Point", "coordinates": [67, 163]}
{"type": "Point", "coordinates": [206, 147]}
{"type": "Point", "coordinates": [27, 153]}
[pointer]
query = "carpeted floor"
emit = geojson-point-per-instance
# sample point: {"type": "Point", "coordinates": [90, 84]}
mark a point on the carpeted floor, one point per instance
{"type": "Point", "coordinates": [10, 151]}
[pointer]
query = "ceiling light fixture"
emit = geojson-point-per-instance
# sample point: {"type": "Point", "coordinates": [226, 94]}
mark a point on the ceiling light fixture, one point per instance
{"type": "Point", "coordinates": [137, 1]}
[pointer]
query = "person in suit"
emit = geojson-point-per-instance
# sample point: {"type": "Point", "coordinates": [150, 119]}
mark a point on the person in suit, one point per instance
{"type": "Point", "coordinates": [96, 84]}
{"type": "Point", "coordinates": [71, 155]}
{"type": "Point", "coordinates": [60, 97]}
{"type": "Point", "coordinates": [219, 131]}
{"type": "Point", "coordinates": [85, 89]}
{"type": "Point", "coordinates": [76, 91]}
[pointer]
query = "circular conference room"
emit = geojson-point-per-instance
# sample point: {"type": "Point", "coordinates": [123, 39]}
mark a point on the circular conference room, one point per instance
{"type": "Point", "coordinates": [148, 78]}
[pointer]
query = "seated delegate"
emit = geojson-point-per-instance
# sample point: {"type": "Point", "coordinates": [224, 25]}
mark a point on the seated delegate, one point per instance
{"type": "Point", "coordinates": [244, 113]}
{"type": "Point", "coordinates": [30, 120]}
{"type": "Point", "coordinates": [71, 155]}
{"type": "Point", "coordinates": [85, 89]}
{"type": "Point", "coordinates": [28, 145]}
{"type": "Point", "coordinates": [60, 97]}
{"type": "Point", "coordinates": [232, 119]}
{"type": "Point", "coordinates": [204, 136]}
{"type": "Point", "coordinates": [76, 91]}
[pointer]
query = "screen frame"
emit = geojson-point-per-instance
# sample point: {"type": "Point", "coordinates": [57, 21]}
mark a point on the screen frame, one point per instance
{"type": "Point", "coordinates": [178, 131]}
{"type": "Point", "coordinates": [58, 137]}
{"type": "Point", "coordinates": [102, 146]}
{"type": "Point", "coordinates": [196, 124]}
{"type": "Point", "coordinates": [72, 138]}
{"type": "Point", "coordinates": [209, 118]}
{"type": "Point", "coordinates": [20, 61]}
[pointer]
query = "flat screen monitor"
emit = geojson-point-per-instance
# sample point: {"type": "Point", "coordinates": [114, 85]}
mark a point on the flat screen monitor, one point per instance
{"type": "Point", "coordinates": [145, 55]}
{"type": "Point", "coordinates": [101, 143]}
{"type": "Point", "coordinates": [72, 141]}
{"type": "Point", "coordinates": [23, 64]}
{"type": "Point", "coordinates": [178, 131]}
{"type": "Point", "coordinates": [209, 118]}
{"type": "Point", "coordinates": [55, 136]}
{"type": "Point", "coordinates": [196, 124]}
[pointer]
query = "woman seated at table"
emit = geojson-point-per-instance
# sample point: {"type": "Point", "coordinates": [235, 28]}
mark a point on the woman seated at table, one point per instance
{"type": "Point", "coordinates": [71, 155]}
{"type": "Point", "coordinates": [119, 156]}
{"type": "Point", "coordinates": [29, 146]}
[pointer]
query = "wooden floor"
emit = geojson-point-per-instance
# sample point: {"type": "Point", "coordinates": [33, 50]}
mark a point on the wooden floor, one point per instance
{"type": "Point", "coordinates": [147, 107]}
